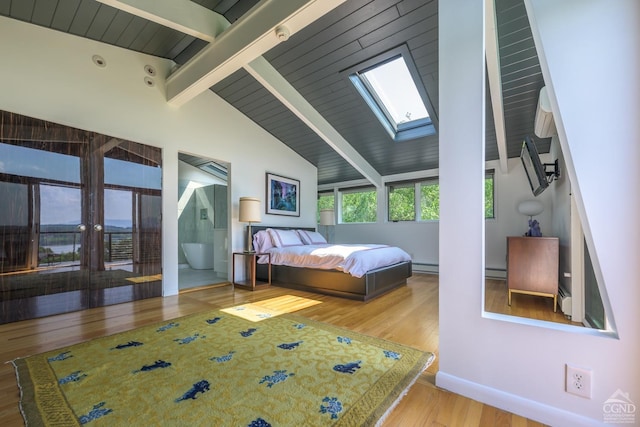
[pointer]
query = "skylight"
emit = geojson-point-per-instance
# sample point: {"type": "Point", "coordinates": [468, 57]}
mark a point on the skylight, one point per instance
{"type": "Point", "coordinates": [391, 87]}
{"type": "Point", "coordinates": [392, 83]}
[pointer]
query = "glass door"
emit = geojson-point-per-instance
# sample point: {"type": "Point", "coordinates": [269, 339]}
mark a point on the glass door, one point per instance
{"type": "Point", "coordinates": [76, 229]}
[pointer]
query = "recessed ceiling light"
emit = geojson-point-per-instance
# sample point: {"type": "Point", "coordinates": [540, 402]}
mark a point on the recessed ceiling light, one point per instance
{"type": "Point", "coordinates": [150, 69]}
{"type": "Point", "coordinates": [99, 61]}
{"type": "Point", "coordinates": [149, 82]}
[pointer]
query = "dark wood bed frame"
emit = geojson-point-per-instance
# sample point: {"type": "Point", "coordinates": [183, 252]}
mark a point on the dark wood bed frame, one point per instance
{"type": "Point", "coordinates": [333, 282]}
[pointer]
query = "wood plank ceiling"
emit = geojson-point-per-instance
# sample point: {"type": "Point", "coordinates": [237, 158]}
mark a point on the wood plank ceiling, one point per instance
{"type": "Point", "coordinates": [313, 61]}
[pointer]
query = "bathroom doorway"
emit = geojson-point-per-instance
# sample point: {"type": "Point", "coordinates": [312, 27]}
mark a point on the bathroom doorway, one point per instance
{"type": "Point", "coordinates": [202, 222]}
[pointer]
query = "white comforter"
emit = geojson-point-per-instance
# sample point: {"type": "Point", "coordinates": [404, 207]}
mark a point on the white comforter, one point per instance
{"type": "Point", "coordinates": [354, 259]}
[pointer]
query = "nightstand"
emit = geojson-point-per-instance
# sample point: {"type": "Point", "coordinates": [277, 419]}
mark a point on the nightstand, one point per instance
{"type": "Point", "coordinates": [250, 271]}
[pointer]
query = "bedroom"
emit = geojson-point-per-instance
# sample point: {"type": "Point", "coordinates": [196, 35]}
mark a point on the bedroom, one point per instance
{"type": "Point", "coordinates": [94, 98]}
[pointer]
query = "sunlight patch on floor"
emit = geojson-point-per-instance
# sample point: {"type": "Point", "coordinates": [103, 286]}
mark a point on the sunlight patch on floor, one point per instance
{"type": "Point", "coordinates": [265, 309]}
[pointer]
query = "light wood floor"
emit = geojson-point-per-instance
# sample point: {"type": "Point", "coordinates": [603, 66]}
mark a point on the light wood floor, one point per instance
{"type": "Point", "coordinates": [522, 305]}
{"type": "Point", "coordinates": [408, 315]}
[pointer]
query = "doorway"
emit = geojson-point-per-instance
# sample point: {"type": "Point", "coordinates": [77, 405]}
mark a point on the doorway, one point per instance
{"type": "Point", "coordinates": [80, 222]}
{"type": "Point", "coordinates": [203, 211]}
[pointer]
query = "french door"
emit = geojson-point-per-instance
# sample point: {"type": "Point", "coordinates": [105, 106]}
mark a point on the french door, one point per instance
{"type": "Point", "coordinates": [80, 222]}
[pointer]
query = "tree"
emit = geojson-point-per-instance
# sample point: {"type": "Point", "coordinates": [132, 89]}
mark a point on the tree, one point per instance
{"type": "Point", "coordinates": [359, 206]}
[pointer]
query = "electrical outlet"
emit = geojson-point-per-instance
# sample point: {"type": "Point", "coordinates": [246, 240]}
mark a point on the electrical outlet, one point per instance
{"type": "Point", "coordinates": [578, 381]}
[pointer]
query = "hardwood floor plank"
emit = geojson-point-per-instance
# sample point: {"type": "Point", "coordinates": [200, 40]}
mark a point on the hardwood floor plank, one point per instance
{"type": "Point", "coordinates": [407, 315]}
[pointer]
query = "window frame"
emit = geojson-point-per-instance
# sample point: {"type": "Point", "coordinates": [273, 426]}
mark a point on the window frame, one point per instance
{"type": "Point", "coordinates": [403, 131]}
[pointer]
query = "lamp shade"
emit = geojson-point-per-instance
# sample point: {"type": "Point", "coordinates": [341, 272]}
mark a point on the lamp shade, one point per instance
{"type": "Point", "coordinates": [327, 217]}
{"type": "Point", "coordinates": [530, 207]}
{"type": "Point", "coordinates": [249, 210]}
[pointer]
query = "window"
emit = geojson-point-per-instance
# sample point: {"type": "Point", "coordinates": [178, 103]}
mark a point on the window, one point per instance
{"type": "Point", "coordinates": [488, 195]}
{"type": "Point", "coordinates": [325, 201]}
{"type": "Point", "coordinates": [429, 200]}
{"type": "Point", "coordinates": [391, 87]}
{"type": "Point", "coordinates": [401, 199]}
{"type": "Point", "coordinates": [402, 202]}
{"type": "Point", "coordinates": [359, 205]}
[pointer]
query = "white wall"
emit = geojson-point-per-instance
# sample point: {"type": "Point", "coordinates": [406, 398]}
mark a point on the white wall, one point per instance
{"type": "Point", "coordinates": [510, 189]}
{"type": "Point", "coordinates": [420, 240]}
{"type": "Point", "coordinates": [50, 75]}
{"type": "Point", "coordinates": [593, 73]}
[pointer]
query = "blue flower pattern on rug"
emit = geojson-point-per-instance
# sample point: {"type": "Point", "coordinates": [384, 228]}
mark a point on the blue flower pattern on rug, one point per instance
{"type": "Point", "coordinates": [157, 365]}
{"type": "Point", "coordinates": [344, 340]}
{"type": "Point", "coordinates": [290, 346]}
{"type": "Point", "coordinates": [392, 355]}
{"type": "Point", "coordinates": [348, 368]}
{"type": "Point", "coordinates": [214, 320]}
{"type": "Point", "coordinates": [277, 377]}
{"type": "Point", "coordinates": [263, 315]}
{"type": "Point", "coordinates": [259, 422]}
{"type": "Point", "coordinates": [60, 357]}
{"type": "Point", "coordinates": [130, 344]}
{"type": "Point", "coordinates": [299, 325]}
{"type": "Point", "coordinates": [73, 377]}
{"type": "Point", "coordinates": [167, 327]}
{"type": "Point", "coordinates": [221, 359]}
{"type": "Point", "coordinates": [189, 339]}
{"type": "Point", "coordinates": [199, 387]}
{"type": "Point", "coordinates": [248, 332]}
{"type": "Point", "coordinates": [331, 405]}
{"type": "Point", "coordinates": [95, 413]}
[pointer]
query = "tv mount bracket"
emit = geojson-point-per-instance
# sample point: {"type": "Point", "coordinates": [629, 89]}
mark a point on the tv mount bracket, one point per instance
{"type": "Point", "coordinates": [554, 174]}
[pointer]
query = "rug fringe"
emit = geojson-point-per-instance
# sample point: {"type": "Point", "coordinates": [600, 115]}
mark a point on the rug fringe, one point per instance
{"type": "Point", "coordinates": [404, 392]}
{"type": "Point", "coordinates": [15, 367]}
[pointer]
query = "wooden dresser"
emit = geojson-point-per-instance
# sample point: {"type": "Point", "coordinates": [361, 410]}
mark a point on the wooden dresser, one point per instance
{"type": "Point", "coordinates": [532, 266]}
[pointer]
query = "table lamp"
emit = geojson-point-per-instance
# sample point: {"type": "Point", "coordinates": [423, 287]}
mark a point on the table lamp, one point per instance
{"type": "Point", "coordinates": [249, 211]}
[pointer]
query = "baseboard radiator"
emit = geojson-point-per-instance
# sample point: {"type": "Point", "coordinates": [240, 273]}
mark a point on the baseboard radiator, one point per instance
{"type": "Point", "coordinates": [564, 301]}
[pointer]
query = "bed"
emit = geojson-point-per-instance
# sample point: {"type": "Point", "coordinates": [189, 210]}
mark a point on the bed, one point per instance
{"type": "Point", "coordinates": [372, 283]}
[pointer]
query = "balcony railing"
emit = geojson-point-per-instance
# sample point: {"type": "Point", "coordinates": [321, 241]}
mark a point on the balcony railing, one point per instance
{"type": "Point", "coordinates": [118, 246]}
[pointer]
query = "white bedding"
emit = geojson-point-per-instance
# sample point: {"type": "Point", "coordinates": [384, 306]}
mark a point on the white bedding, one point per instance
{"type": "Point", "coordinates": [354, 259]}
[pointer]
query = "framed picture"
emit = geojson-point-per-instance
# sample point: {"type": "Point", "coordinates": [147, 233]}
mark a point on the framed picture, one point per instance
{"type": "Point", "coordinates": [283, 195]}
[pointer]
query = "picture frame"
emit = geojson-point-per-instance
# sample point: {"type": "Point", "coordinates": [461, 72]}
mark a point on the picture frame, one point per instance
{"type": "Point", "coordinates": [283, 195]}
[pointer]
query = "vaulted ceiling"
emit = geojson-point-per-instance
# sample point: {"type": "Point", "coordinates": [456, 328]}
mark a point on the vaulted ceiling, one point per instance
{"type": "Point", "coordinates": [297, 89]}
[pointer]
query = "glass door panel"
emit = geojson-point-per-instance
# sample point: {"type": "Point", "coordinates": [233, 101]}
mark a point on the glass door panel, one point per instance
{"type": "Point", "coordinates": [15, 230]}
{"type": "Point", "coordinates": [60, 227]}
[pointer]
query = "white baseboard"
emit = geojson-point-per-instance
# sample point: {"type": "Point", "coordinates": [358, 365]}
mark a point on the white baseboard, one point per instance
{"type": "Point", "coordinates": [515, 404]}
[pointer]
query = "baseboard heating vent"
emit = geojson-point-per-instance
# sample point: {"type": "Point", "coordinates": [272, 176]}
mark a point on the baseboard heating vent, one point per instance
{"type": "Point", "coordinates": [420, 267]}
{"type": "Point", "coordinates": [564, 301]}
{"type": "Point", "coordinates": [495, 273]}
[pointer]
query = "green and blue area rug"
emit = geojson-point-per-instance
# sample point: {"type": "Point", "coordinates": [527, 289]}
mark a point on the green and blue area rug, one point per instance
{"type": "Point", "coordinates": [244, 366]}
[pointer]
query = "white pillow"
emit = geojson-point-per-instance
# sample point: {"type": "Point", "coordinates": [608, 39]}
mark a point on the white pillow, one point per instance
{"type": "Point", "coordinates": [284, 238]}
{"type": "Point", "coordinates": [311, 237]}
{"type": "Point", "coordinates": [262, 242]}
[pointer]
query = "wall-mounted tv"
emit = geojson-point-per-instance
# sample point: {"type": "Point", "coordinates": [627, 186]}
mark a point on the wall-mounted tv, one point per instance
{"type": "Point", "coordinates": [533, 166]}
